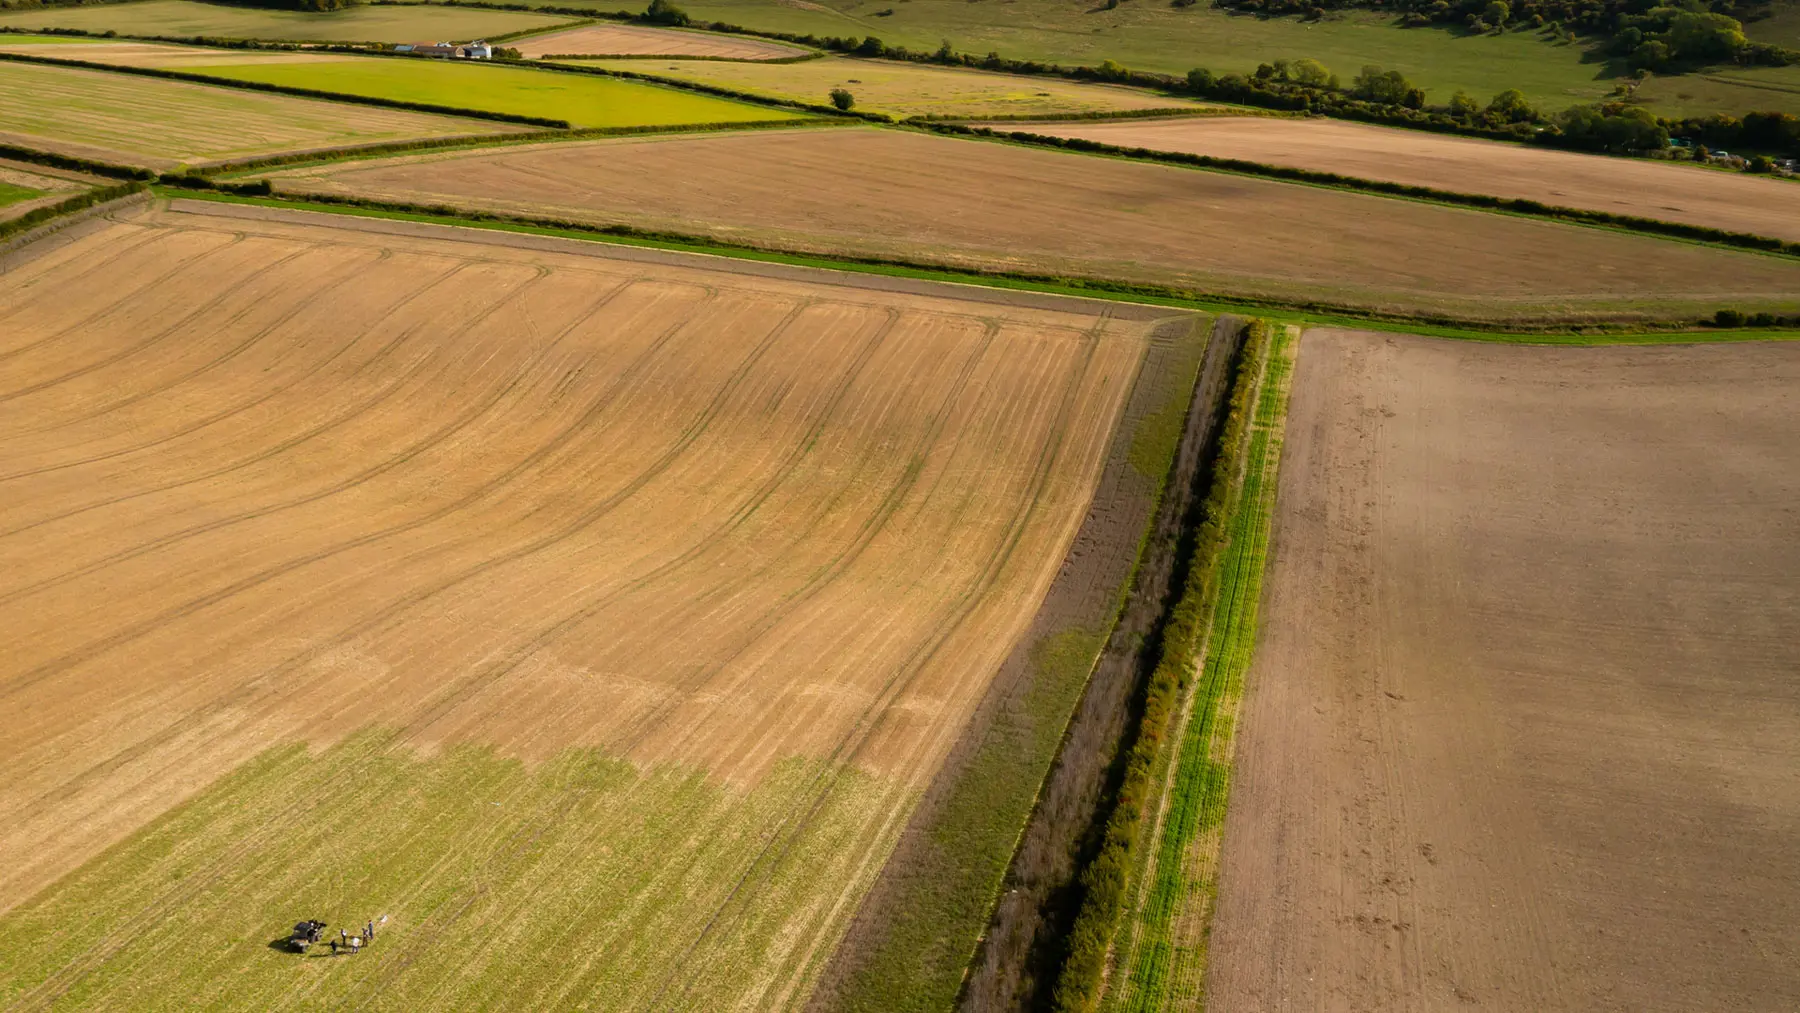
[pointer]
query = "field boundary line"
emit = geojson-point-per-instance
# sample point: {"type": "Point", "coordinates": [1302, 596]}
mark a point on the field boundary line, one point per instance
{"type": "Point", "coordinates": [1520, 207]}
{"type": "Point", "coordinates": [1546, 332]}
{"type": "Point", "coordinates": [1184, 834]}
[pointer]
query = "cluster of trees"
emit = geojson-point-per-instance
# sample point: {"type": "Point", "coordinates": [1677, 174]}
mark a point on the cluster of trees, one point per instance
{"type": "Point", "coordinates": [1772, 132]}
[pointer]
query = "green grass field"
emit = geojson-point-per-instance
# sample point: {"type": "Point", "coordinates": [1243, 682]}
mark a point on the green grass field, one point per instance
{"type": "Point", "coordinates": [1782, 28]}
{"type": "Point", "coordinates": [1159, 951]}
{"type": "Point", "coordinates": [903, 89]}
{"type": "Point", "coordinates": [505, 887]}
{"type": "Point", "coordinates": [355, 24]}
{"type": "Point", "coordinates": [1733, 91]}
{"type": "Point", "coordinates": [1155, 36]}
{"type": "Point", "coordinates": [585, 100]}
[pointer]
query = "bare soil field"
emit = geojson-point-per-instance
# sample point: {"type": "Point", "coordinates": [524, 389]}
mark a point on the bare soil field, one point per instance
{"type": "Point", "coordinates": [912, 89]}
{"type": "Point", "coordinates": [1522, 731]}
{"type": "Point", "coordinates": [887, 193]}
{"type": "Point", "coordinates": [1689, 194]}
{"type": "Point", "coordinates": [637, 40]}
{"type": "Point", "coordinates": [597, 616]}
{"type": "Point", "coordinates": [163, 124]}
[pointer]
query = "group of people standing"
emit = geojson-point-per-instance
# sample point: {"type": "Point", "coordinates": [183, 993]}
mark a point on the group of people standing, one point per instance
{"type": "Point", "coordinates": [347, 943]}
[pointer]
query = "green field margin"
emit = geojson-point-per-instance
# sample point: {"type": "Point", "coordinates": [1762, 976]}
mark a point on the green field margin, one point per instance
{"type": "Point", "coordinates": [1671, 333]}
{"type": "Point", "coordinates": [1158, 960]}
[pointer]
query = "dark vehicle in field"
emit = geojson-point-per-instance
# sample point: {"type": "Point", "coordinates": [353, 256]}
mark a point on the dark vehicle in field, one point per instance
{"type": "Point", "coordinates": [305, 934]}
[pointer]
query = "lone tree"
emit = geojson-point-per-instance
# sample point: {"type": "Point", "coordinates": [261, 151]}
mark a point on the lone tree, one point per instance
{"type": "Point", "coordinates": [842, 99]}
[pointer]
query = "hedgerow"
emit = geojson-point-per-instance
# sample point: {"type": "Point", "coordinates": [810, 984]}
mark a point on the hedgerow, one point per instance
{"type": "Point", "coordinates": [88, 165]}
{"type": "Point", "coordinates": [79, 202]}
{"type": "Point", "coordinates": [1515, 205]}
{"type": "Point", "coordinates": [1103, 881]}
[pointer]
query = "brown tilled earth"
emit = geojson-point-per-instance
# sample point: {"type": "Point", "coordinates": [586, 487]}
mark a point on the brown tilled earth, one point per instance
{"type": "Point", "coordinates": [634, 40]}
{"type": "Point", "coordinates": [972, 203]}
{"type": "Point", "coordinates": [275, 480]}
{"type": "Point", "coordinates": [1689, 194]}
{"type": "Point", "coordinates": [1523, 731]}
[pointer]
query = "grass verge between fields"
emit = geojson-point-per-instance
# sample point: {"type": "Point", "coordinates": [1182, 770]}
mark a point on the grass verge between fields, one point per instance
{"type": "Point", "coordinates": [1158, 954]}
{"type": "Point", "coordinates": [1669, 332]}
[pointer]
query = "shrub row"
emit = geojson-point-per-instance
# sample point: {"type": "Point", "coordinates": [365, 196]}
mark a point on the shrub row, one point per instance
{"type": "Point", "coordinates": [1104, 880]}
{"type": "Point", "coordinates": [1515, 205]}
{"type": "Point", "coordinates": [79, 202]}
{"type": "Point", "coordinates": [684, 57]}
{"type": "Point", "coordinates": [1094, 114]}
{"type": "Point", "coordinates": [176, 75]}
{"type": "Point", "coordinates": [87, 165]}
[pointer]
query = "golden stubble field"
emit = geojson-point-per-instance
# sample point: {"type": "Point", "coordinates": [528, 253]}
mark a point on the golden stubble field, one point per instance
{"type": "Point", "coordinates": [1522, 731]}
{"type": "Point", "coordinates": [889, 193]}
{"type": "Point", "coordinates": [163, 124]}
{"type": "Point", "coordinates": [597, 617]}
{"type": "Point", "coordinates": [1734, 201]}
{"type": "Point", "coordinates": [638, 40]}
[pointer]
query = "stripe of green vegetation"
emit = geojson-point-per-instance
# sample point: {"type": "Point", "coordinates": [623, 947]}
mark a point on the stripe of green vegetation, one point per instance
{"type": "Point", "coordinates": [946, 902]}
{"type": "Point", "coordinates": [573, 881]}
{"type": "Point", "coordinates": [10, 194]}
{"type": "Point", "coordinates": [1162, 959]}
{"type": "Point", "coordinates": [1596, 334]}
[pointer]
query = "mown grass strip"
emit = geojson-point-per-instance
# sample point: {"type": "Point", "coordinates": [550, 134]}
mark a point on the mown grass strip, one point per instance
{"type": "Point", "coordinates": [1520, 206]}
{"type": "Point", "coordinates": [1676, 332]}
{"type": "Point", "coordinates": [1160, 958]}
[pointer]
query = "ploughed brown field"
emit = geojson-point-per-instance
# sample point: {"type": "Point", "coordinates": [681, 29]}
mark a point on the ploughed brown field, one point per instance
{"type": "Point", "coordinates": [1692, 195]}
{"type": "Point", "coordinates": [887, 193]}
{"type": "Point", "coordinates": [636, 40]}
{"type": "Point", "coordinates": [1523, 729]}
{"type": "Point", "coordinates": [597, 615]}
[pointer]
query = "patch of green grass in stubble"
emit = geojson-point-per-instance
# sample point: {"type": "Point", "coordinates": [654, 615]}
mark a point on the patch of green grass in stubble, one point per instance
{"type": "Point", "coordinates": [579, 882]}
{"type": "Point", "coordinates": [11, 194]}
{"type": "Point", "coordinates": [1167, 929]}
{"type": "Point", "coordinates": [942, 908]}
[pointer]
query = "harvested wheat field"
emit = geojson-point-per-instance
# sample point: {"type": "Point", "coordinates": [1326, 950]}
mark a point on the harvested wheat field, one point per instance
{"type": "Point", "coordinates": [1761, 205]}
{"type": "Point", "coordinates": [25, 187]}
{"type": "Point", "coordinates": [911, 89]}
{"type": "Point", "coordinates": [163, 124]}
{"type": "Point", "coordinates": [636, 40]}
{"type": "Point", "coordinates": [1523, 732]}
{"type": "Point", "coordinates": [887, 193]}
{"type": "Point", "coordinates": [597, 616]}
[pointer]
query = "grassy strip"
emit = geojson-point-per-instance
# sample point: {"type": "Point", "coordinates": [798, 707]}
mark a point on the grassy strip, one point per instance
{"type": "Point", "coordinates": [1104, 880]}
{"type": "Point", "coordinates": [282, 89]}
{"type": "Point", "coordinates": [1317, 314]}
{"type": "Point", "coordinates": [88, 165]}
{"type": "Point", "coordinates": [1486, 202]}
{"type": "Point", "coordinates": [80, 202]}
{"type": "Point", "coordinates": [320, 156]}
{"type": "Point", "coordinates": [1156, 968]}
